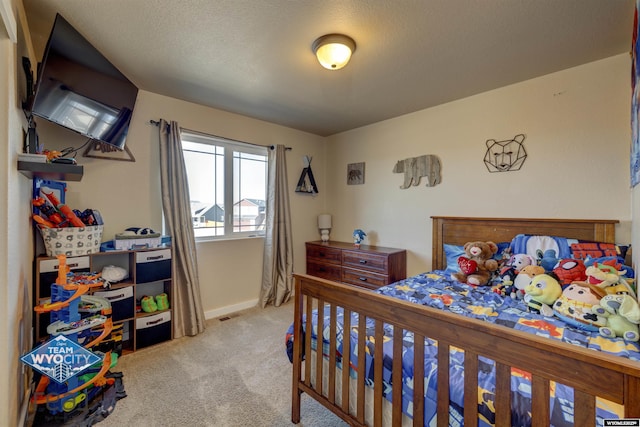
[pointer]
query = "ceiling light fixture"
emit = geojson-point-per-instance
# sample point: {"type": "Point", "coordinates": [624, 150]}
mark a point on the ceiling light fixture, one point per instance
{"type": "Point", "coordinates": [333, 50]}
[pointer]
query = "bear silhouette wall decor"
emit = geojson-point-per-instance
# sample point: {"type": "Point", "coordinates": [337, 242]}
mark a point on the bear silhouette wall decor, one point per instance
{"type": "Point", "coordinates": [414, 168]}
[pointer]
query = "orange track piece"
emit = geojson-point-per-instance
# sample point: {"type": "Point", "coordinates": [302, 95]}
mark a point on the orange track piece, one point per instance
{"type": "Point", "coordinates": [99, 380]}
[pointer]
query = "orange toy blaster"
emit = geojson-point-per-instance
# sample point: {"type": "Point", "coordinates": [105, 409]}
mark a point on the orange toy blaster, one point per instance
{"type": "Point", "coordinates": [66, 210]}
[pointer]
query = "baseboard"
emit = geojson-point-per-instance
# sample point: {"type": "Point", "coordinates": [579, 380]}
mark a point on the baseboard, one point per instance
{"type": "Point", "coordinates": [24, 409]}
{"type": "Point", "coordinates": [223, 311]}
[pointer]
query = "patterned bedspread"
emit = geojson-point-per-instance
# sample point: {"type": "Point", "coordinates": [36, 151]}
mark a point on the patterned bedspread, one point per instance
{"type": "Point", "coordinates": [437, 291]}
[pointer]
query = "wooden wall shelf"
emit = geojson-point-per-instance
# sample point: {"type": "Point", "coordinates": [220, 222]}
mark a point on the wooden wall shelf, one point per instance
{"type": "Point", "coordinates": [51, 171]}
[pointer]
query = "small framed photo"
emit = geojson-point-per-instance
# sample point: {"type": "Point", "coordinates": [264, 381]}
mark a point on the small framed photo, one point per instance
{"type": "Point", "coordinates": [355, 173]}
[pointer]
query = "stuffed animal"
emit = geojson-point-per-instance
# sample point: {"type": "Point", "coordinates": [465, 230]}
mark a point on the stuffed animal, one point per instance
{"type": "Point", "coordinates": [519, 261]}
{"type": "Point", "coordinates": [505, 285]}
{"type": "Point", "coordinates": [569, 270]}
{"type": "Point", "coordinates": [543, 291]}
{"type": "Point", "coordinates": [575, 306]}
{"type": "Point", "coordinates": [607, 275]}
{"type": "Point", "coordinates": [524, 277]}
{"type": "Point", "coordinates": [547, 259]}
{"type": "Point", "coordinates": [623, 316]}
{"type": "Point", "coordinates": [477, 266]}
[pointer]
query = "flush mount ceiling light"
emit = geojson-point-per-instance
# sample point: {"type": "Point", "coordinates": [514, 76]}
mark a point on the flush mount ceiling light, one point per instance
{"type": "Point", "coordinates": [333, 50]}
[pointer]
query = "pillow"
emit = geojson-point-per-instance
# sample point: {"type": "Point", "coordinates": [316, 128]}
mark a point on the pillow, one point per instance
{"type": "Point", "coordinates": [504, 251]}
{"type": "Point", "coordinates": [531, 244]}
{"type": "Point", "coordinates": [452, 253]}
{"type": "Point", "coordinates": [584, 249]}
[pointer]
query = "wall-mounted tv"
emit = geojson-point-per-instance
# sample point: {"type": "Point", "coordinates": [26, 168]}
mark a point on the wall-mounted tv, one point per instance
{"type": "Point", "coordinates": [79, 89]}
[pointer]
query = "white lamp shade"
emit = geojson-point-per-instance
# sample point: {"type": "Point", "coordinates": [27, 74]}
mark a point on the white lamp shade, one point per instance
{"type": "Point", "coordinates": [324, 221]}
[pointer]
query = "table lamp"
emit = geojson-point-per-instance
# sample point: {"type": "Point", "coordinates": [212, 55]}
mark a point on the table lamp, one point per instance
{"type": "Point", "coordinates": [324, 225]}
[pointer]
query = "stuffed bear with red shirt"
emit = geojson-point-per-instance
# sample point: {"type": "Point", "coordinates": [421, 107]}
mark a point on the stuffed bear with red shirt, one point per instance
{"type": "Point", "coordinates": [478, 265]}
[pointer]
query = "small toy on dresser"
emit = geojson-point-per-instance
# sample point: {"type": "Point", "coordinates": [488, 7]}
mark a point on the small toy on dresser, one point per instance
{"type": "Point", "coordinates": [358, 237]}
{"type": "Point", "coordinates": [478, 265]}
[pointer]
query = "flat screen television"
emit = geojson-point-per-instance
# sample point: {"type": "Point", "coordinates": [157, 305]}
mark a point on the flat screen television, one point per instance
{"type": "Point", "coordinates": [79, 89]}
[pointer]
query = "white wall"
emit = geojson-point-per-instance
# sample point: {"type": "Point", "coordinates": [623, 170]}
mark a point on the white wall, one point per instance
{"type": "Point", "coordinates": [128, 193]}
{"type": "Point", "coordinates": [577, 131]}
{"type": "Point", "coordinates": [15, 240]}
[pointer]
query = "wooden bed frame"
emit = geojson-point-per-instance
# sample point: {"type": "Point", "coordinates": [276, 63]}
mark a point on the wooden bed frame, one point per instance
{"type": "Point", "coordinates": [592, 374]}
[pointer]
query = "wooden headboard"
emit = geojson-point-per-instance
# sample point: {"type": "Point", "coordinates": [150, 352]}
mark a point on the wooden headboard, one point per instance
{"type": "Point", "coordinates": [459, 230]}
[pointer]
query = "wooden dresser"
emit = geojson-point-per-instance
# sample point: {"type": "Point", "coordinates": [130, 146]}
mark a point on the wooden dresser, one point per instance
{"type": "Point", "coordinates": [368, 266]}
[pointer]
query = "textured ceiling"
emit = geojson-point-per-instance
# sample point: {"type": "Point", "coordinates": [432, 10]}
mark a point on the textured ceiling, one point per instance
{"type": "Point", "coordinates": [253, 57]}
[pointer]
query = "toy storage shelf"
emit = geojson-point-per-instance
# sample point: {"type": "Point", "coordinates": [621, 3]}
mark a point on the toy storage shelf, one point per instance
{"type": "Point", "coordinates": [150, 273]}
{"type": "Point", "coordinates": [51, 171]}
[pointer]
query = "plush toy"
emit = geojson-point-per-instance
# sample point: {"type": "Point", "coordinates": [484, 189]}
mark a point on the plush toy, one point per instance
{"type": "Point", "coordinates": [547, 259]}
{"type": "Point", "coordinates": [575, 306]}
{"type": "Point", "coordinates": [542, 292]}
{"type": "Point", "coordinates": [622, 314]}
{"type": "Point", "coordinates": [519, 261]}
{"type": "Point", "coordinates": [524, 277]}
{"type": "Point", "coordinates": [569, 270]}
{"type": "Point", "coordinates": [608, 275]}
{"type": "Point", "coordinates": [505, 285]}
{"type": "Point", "coordinates": [477, 266]}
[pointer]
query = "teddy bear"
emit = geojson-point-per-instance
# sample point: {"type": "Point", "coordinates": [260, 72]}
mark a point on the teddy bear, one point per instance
{"type": "Point", "coordinates": [478, 265]}
{"type": "Point", "coordinates": [623, 316]}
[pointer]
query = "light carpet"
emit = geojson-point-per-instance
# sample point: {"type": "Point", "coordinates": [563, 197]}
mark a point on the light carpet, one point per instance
{"type": "Point", "coordinates": [236, 373]}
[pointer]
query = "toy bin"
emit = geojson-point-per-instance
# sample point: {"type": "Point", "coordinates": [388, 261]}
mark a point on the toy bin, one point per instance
{"type": "Point", "coordinates": [124, 242]}
{"type": "Point", "coordinates": [152, 266]}
{"type": "Point", "coordinates": [153, 329]}
{"type": "Point", "coordinates": [72, 241]}
{"type": "Point", "coordinates": [122, 302]}
{"type": "Point", "coordinates": [48, 272]}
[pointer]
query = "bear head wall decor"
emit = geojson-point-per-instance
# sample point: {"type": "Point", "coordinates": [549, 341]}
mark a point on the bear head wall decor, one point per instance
{"type": "Point", "coordinates": [504, 156]}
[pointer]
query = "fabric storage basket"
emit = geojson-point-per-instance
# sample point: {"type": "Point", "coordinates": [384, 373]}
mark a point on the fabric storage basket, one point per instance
{"type": "Point", "coordinates": [72, 241]}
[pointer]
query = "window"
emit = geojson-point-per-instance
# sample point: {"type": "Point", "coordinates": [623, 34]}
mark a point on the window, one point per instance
{"type": "Point", "coordinates": [227, 186]}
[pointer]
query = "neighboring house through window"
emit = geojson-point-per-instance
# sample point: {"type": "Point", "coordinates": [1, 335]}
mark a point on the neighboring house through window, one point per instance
{"type": "Point", "coordinates": [227, 185]}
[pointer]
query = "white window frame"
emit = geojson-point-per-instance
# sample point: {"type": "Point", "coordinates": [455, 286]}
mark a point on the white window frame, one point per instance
{"type": "Point", "coordinates": [230, 146]}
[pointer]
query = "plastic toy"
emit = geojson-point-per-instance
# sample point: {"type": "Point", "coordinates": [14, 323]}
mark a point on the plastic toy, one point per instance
{"type": "Point", "coordinates": [62, 402]}
{"type": "Point", "coordinates": [64, 209]}
{"type": "Point", "coordinates": [358, 237]}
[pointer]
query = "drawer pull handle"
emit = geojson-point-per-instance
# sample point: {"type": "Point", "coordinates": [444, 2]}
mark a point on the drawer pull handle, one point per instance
{"type": "Point", "coordinates": [363, 279]}
{"type": "Point", "coordinates": [363, 261]}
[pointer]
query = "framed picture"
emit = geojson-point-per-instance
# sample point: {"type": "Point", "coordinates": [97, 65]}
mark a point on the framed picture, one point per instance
{"type": "Point", "coordinates": [355, 173]}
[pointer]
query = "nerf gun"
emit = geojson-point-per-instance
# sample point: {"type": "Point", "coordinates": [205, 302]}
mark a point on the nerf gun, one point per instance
{"type": "Point", "coordinates": [64, 209]}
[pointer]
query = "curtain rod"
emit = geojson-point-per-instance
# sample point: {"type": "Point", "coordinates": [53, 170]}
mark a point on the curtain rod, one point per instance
{"type": "Point", "coordinates": [157, 123]}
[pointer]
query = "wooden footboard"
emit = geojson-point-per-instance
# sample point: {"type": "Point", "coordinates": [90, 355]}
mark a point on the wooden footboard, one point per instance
{"type": "Point", "coordinates": [592, 374]}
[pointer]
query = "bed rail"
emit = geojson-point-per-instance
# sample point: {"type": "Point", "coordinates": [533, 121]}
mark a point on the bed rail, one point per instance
{"type": "Point", "coordinates": [608, 377]}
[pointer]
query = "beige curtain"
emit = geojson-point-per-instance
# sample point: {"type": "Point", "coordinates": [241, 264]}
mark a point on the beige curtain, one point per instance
{"type": "Point", "coordinates": [277, 267]}
{"type": "Point", "coordinates": [188, 315]}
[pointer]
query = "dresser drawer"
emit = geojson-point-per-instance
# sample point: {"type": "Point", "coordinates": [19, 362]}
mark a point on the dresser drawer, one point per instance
{"type": "Point", "coordinates": [324, 254]}
{"type": "Point", "coordinates": [364, 278]}
{"type": "Point", "coordinates": [326, 271]}
{"type": "Point", "coordinates": [365, 261]}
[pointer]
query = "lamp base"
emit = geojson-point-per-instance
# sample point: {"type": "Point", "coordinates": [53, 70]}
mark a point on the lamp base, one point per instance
{"type": "Point", "coordinates": [324, 235]}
